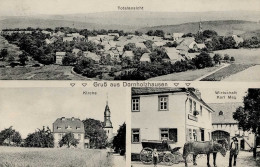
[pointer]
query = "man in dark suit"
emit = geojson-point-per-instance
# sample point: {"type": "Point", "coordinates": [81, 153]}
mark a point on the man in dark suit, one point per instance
{"type": "Point", "coordinates": [233, 151]}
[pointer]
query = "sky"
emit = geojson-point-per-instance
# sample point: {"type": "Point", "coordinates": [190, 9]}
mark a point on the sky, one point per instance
{"type": "Point", "coordinates": [27, 109]}
{"type": "Point", "coordinates": [32, 7]}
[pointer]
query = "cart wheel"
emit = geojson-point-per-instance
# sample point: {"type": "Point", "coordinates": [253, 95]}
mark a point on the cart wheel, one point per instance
{"type": "Point", "coordinates": [146, 155]}
{"type": "Point", "coordinates": [178, 157]}
{"type": "Point", "coordinates": [169, 159]}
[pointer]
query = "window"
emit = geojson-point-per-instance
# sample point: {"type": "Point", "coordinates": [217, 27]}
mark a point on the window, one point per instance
{"type": "Point", "coordinates": [169, 134]}
{"type": "Point", "coordinates": [135, 135]}
{"type": "Point", "coordinates": [136, 104]}
{"type": "Point", "coordinates": [201, 110]}
{"type": "Point", "coordinates": [190, 105]}
{"type": "Point", "coordinates": [164, 134]}
{"type": "Point", "coordinates": [194, 135]}
{"type": "Point", "coordinates": [194, 106]}
{"type": "Point", "coordinates": [163, 103]}
{"type": "Point", "coordinates": [220, 113]}
{"type": "Point", "coordinates": [190, 134]}
{"type": "Point", "coordinates": [68, 127]}
{"type": "Point", "coordinates": [60, 136]}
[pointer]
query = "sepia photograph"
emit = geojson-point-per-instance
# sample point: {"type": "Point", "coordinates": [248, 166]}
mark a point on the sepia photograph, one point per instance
{"type": "Point", "coordinates": [195, 127]}
{"type": "Point", "coordinates": [130, 40]}
{"type": "Point", "coordinates": [62, 127]}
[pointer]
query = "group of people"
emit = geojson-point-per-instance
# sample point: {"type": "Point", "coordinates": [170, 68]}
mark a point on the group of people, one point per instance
{"type": "Point", "coordinates": [234, 150]}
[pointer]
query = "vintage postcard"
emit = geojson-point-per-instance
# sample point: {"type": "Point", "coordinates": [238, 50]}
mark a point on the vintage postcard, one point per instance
{"type": "Point", "coordinates": [171, 40]}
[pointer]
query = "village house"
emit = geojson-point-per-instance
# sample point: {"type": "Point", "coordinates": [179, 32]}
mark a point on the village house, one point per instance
{"type": "Point", "coordinates": [177, 36]}
{"type": "Point", "coordinates": [113, 34]}
{"type": "Point", "coordinates": [201, 46]}
{"type": "Point", "coordinates": [128, 54]}
{"type": "Point", "coordinates": [46, 32]}
{"type": "Point", "coordinates": [67, 39]}
{"type": "Point", "coordinates": [157, 44]}
{"type": "Point", "coordinates": [187, 44]}
{"type": "Point", "coordinates": [145, 58]}
{"type": "Point", "coordinates": [224, 126]}
{"type": "Point", "coordinates": [177, 115]}
{"type": "Point", "coordinates": [237, 39]}
{"type": "Point", "coordinates": [59, 57]}
{"type": "Point", "coordinates": [140, 45]}
{"type": "Point", "coordinates": [69, 125]}
{"type": "Point", "coordinates": [92, 56]}
{"type": "Point", "coordinates": [75, 51]}
{"type": "Point", "coordinates": [172, 55]}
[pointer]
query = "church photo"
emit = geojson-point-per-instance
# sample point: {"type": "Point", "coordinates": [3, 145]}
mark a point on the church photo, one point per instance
{"type": "Point", "coordinates": [78, 126]}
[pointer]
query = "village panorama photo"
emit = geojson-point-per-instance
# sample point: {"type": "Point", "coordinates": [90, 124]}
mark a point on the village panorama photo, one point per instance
{"type": "Point", "coordinates": [130, 40]}
{"type": "Point", "coordinates": [62, 127]}
{"type": "Point", "coordinates": [195, 127]}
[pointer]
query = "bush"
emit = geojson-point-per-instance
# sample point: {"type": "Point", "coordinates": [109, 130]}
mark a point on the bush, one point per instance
{"type": "Point", "coordinates": [232, 59]}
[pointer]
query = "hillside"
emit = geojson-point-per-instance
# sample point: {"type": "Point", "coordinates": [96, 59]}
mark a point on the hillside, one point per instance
{"type": "Point", "coordinates": [222, 27]}
{"type": "Point", "coordinates": [24, 22]}
{"type": "Point", "coordinates": [125, 20]}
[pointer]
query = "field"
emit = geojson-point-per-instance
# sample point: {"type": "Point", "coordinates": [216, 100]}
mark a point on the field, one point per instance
{"type": "Point", "coordinates": [243, 56]}
{"type": "Point", "coordinates": [249, 75]}
{"type": "Point", "coordinates": [184, 76]}
{"type": "Point", "coordinates": [50, 72]}
{"type": "Point", "coordinates": [226, 72]}
{"type": "Point", "coordinates": [50, 157]}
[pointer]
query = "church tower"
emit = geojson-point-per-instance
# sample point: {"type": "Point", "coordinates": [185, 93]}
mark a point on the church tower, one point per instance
{"type": "Point", "coordinates": [108, 127]}
{"type": "Point", "coordinates": [200, 28]}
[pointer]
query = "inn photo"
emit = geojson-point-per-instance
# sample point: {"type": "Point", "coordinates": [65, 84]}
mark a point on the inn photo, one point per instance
{"type": "Point", "coordinates": [190, 126]}
{"type": "Point", "coordinates": [130, 40]}
{"type": "Point", "coordinates": [56, 127]}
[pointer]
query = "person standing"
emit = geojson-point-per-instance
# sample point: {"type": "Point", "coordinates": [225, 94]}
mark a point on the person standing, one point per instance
{"type": "Point", "coordinates": [155, 157]}
{"type": "Point", "coordinates": [233, 151]}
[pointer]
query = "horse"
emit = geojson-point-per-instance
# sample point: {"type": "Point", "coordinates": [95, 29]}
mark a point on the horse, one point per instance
{"type": "Point", "coordinates": [205, 147]}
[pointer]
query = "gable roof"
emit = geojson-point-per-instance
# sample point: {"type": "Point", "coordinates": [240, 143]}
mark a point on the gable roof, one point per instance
{"type": "Point", "coordinates": [147, 91]}
{"type": "Point", "coordinates": [145, 57]}
{"type": "Point", "coordinates": [140, 45]}
{"type": "Point", "coordinates": [228, 109]}
{"type": "Point", "coordinates": [91, 55]}
{"type": "Point", "coordinates": [173, 54]}
{"type": "Point", "coordinates": [60, 53]}
{"type": "Point", "coordinates": [201, 45]}
{"type": "Point", "coordinates": [129, 54]}
{"type": "Point", "coordinates": [66, 125]}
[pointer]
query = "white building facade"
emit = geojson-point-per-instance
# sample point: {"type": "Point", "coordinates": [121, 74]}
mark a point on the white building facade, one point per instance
{"type": "Point", "coordinates": [169, 114]}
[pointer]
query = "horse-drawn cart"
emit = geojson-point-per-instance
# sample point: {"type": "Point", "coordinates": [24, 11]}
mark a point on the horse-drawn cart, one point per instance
{"type": "Point", "coordinates": [166, 155]}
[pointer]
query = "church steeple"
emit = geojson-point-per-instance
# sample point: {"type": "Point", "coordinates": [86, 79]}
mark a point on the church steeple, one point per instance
{"type": "Point", "coordinates": [200, 27]}
{"type": "Point", "coordinates": [107, 115]}
{"type": "Point", "coordinates": [108, 127]}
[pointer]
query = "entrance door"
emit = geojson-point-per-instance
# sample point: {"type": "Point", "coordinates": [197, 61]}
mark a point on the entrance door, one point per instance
{"type": "Point", "coordinates": [242, 144]}
{"type": "Point", "coordinates": [219, 134]}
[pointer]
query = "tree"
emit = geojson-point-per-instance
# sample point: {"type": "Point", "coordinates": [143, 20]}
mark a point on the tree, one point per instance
{"type": "Point", "coordinates": [40, 138]}
{"type": "Point", "coordinates": [203, 60]}
{"type": "Point", "coordinates": [3, 54]}
{"type": "Point", "coordinates": [226, 57]}
{"type": "Point", "coordinates": [232, 59]}
{"type": "Point", "coordinates": [248, 117]}
{"type": "Point", "coordinates": [69, 59]}
{"type": "Point", "coordinates": [10, 135]}
{"type": "Point", "coordinates": [69, 140]}
{"type": "Point", "coordinates": [95, 133]}
{"type": "Point", "coordinates": [217, 58]}
{"type": "Point", "coordinates": [119, 141]}
{"type": "Point", "coordinates": [23, 58]}
{"type": "Point", "coordinates": [11, 58]}
{"type": "Point", "coordinates": [209, 33]}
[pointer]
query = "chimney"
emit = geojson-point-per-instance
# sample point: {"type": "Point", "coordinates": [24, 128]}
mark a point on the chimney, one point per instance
{"type": "Point", "coordinates": [72, 118]}
{"type": "Point", "coordinates": [63, 118]}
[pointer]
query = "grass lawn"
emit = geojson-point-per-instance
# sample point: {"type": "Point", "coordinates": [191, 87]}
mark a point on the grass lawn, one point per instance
{"type": "Point", "coordinates": [184, 76]}
{"type": "Point", "coordinates": [226, 72]}
{"type": "Point", "coordinates": [242, 56]}
{"type": "Point", "coordinates": [48, 72]}
{"type": "Point", "coordinates": [50, 157]}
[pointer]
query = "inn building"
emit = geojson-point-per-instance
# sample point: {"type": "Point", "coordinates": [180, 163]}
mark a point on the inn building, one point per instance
{"type": "Point", "coordinates": [177, 115]}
